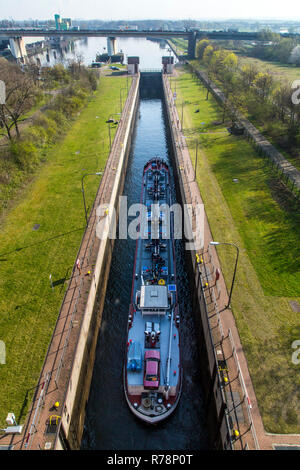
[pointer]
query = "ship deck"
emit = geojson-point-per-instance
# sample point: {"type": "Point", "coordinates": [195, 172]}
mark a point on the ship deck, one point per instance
{"type": "Point", "coordinates": [136, 333]}
{"type": "Point", "coordinates": [156, 231]}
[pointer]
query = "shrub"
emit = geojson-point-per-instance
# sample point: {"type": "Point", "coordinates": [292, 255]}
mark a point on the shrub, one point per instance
{"type": "Point", "coordinates": [58, 117]}
{"type": "Point", "coordinates": [291, 416]}
{"type": "Point", "coordinates": [93, 80]}
{"type": "Point", "coordinates": [37, 134]}
{"type": "Point", "coordinates": [43, 129]}
{"type": "Point", "coordinates": [24, 153]}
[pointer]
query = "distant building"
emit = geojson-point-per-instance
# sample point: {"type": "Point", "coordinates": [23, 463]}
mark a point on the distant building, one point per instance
{"type": "Point", "coordinates": [57, 21]}
{"type": "Point", "coordinates": [66, 23]}
{"type": "Point", "coordinates": [62, 24]}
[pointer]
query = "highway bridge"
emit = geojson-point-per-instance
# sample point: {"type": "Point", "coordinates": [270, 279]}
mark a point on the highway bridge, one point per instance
{"type": "Point", "coordinates": [16, 34]}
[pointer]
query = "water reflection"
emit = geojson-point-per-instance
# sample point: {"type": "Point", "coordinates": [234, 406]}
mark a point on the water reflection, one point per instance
{"type": "Point", "coordinates": [150, 52]}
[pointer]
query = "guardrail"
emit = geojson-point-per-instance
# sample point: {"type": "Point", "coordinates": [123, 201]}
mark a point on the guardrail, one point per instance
{"type": "Point", "coordinates": [65, 321]}
{"type": "Point", "coordinates": [227, 382]}
{"type": "Point", "coordinates": [249, 406]}
{"type": "Point", "coordinates": [186, 176]}
{"type": "Point", "coordinates": [150, 70]}
{"type": "Point", "coordinates": [228, 351]}
{"type": "Point", "coordinates": [40, 403]}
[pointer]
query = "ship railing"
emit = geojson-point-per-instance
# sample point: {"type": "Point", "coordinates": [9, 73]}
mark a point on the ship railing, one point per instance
{"type": "Point", "coordinates": [169, 349]}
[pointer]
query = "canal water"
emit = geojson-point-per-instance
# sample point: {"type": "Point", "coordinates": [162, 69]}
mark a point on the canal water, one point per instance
{"type": "Point", "coordinates": [150, 52]}
{"type": "Point", "coordinates": [109, 424]}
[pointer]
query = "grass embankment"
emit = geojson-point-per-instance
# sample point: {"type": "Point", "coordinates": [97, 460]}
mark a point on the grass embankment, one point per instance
{"type": "Point", "coordinates": [281, 74]}
{"type": "Point", "coordinates": [279, 71]}
{"type": "Point", "coordinates": [53, 199]}
{"type": "Point", "coordinates": [180, 45]}
{"type": "Point", "coordinates": [257, 215]}
{"type": "Point", "coordinates": [273, 129]}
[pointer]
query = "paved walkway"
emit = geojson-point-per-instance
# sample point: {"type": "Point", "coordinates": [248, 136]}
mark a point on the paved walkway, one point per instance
{"type": "Point", "coordinates": [256, 437]}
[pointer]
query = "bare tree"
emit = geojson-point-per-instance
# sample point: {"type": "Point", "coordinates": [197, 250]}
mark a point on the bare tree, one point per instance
{"type": "Point", "coordinates": [20, 94]}
{"type": "Point", "coordinates": [75, 65]}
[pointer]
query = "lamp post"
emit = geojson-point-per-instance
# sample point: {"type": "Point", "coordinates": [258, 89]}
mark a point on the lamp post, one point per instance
{"type": "Point", "coordinates": [109, 120]}
{"type": "Point", "coordinates": [183, 103]}
{"type": "Point", "coordinates": [109, 136]}
{"type": "Point", "coordinates": [196, 161]}
{"type": "Point", "coordinates": [83, 194]}
{"type": "Point", "coordinates": [196, 143]}
{"type": "Point", "coordinates": [182, 115]}
{"type": "Point", "coordinates": [234, 272]}
{"type": "Point", "coordinates": [122, 89]}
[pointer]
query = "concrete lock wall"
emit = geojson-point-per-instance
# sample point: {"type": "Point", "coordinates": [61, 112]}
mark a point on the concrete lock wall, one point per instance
{"type": "Point", "coordinates": [73, 415]}
{"type": "Point", "coordinates": [214, 405]}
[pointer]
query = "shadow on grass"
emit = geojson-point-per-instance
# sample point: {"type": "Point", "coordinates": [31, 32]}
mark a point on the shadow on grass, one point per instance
{"type": "Point", "coordinates": [273, 375]}
{"type": "Point", "coordinates": [258, 201]}
{"type": "Point", "coordinates": [24, 406]}
{"type": "Point", "coordinates": [208, 141]}
{"type": "Point", "coordinates": [61, 282]}
{"type": "Point", "coordinates": [41, 242]}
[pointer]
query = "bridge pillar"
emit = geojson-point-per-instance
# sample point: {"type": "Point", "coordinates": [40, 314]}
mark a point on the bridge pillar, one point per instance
{"type": "Point", "coordinates": [192, 45]}
{"type": "Point", "coordinates": [111, 46]}
{"type": "Point", "coordinates": [18, 49]}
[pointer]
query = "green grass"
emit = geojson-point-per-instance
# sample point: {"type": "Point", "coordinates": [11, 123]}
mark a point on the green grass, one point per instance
{"type": "Point", "coordinates": [258, 215]}
{"type": "Point", "coordinates": [180, 45]}
{"type": "Point", "coordinates": [279, 71]}
{"type": "Point", "coordinates": [293, 156]}
{"type": "Point", "coordinates": [53, 199]}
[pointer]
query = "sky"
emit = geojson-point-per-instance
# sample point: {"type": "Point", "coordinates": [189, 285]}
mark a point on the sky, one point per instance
{"type": "Point", "coordinates": [150, 9]}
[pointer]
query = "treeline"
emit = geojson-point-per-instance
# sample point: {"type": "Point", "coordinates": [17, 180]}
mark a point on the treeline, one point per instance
{"type": "Point", "coordinates": [247, 90]}
{"type": "Point", "coordinates": [275, 48]}
{"type": "Point", "coordinates": [26, 132]}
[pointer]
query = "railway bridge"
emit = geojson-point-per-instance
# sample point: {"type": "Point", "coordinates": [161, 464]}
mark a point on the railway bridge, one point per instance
{"type": "Point", "coordinates": [16, 35]}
